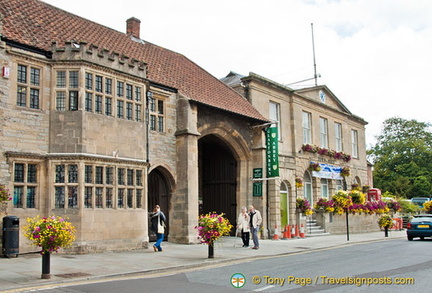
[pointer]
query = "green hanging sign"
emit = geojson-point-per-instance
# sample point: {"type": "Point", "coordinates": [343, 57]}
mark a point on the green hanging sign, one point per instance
{"type": "Point", "coordinates": [272, 152]}
{"type": "Point", "coordinates": [257, 186]}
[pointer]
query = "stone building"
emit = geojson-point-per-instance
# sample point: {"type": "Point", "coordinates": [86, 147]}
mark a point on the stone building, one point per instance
{"type": "Point", "coordinates": [99, 126]}
{"type": "Point", "coordinates": [310, 117]}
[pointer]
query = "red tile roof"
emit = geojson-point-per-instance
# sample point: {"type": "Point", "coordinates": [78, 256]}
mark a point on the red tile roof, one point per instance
{"type": "Point", "coordinates": [38, 24]}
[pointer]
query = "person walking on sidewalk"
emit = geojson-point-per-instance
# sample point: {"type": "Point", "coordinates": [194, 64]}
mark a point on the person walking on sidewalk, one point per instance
{"type": "Point", "coordinates": [255, 222]}
{"type": "Point", "coordinates": [243, 226]}
{"type": "Point", "coordinates": [157, 218]}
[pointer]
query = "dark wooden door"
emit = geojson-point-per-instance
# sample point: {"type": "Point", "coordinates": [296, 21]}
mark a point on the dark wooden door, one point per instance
{"type": "Point", "coordinates": [158, 194]}
{"type": "Point", "coordinates": [218, 179]}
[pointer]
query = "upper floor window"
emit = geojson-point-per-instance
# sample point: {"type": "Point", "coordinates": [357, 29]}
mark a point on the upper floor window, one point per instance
{"type": "Point", "coordinates": [157, 114]}
{"type": "Point", "coordinates": [338, 137]}
{"type": "Point", "coordinates": [28, 86]}
{"type": "Point", "coordinates": [354, 143]}
{"type": "Point", "coordinates": [274, 115]}
{"type": "Point", "coordinates": [323, 132]}
{"type": "Point", "coordinates": [103, 94]}
{"type": "Point", "coordinates": [307, 127]}
{"type": "Point", "coordinates": [67, 82]}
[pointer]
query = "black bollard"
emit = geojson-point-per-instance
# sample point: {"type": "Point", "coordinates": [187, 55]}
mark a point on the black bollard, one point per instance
{"type": "Point", "coordinates": [46, 259]}
{"type": "Point", "coordinates": [210, 251]}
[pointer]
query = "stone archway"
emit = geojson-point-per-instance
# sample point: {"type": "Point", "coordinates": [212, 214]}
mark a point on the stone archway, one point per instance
{"type": "Point", "coordinates": [159, 193]}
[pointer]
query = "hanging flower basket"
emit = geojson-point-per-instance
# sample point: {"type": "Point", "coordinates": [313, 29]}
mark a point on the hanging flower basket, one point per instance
{"type": "Point", "coordinates": [427, 206]}
{"type": "Point", "coordinates": [298, 182]}
{"type": "Point", "coordinates": [357, 196]}
{"type": "Point", "coordinates": [342, 201]}
{"type": "Point", "coordinates": [325, 205]}
{"type": "Point", "coordinates": [345, 172]}
{"type": "Point", "coordinates": [314, 167]}
{"type": "Point", "coordinates": [50, 234]}
{"type": "Point", "coordinates": [395, 207]}
{"type": "Point", "coordinates": [310, 148]}
{"type": "Point", "coordinates": [210, 228]}
{"type": "Point", "coordinates": [303, 206]}
{"type": "Point", "coordinates": [4, 198]}
{"type": "Point", "coordinates": [385, 222]}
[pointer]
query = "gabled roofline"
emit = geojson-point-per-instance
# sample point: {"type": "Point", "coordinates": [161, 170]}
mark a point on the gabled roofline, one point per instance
{"type": "Point", "coordinates": [254, 76]}
{"type": "Point", "coordinates": [324, 87]}
{"type": "Point", "coordinates": [259, 121]}
{"type": "Point", "coordinates": [163, 87]}
{"type": "Point", "coordinates": [15, 44]}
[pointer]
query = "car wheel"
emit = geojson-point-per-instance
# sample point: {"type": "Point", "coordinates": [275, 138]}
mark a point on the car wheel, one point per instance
{"type": "Point", "coordinates": [410, 238]}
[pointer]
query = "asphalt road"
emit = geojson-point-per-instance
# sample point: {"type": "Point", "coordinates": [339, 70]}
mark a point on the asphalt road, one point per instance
{"type": "Point", "coordinates": [371, 267]}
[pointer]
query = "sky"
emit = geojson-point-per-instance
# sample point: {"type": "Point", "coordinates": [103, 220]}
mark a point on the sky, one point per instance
{"type": "Point", "coordinates": [375, 56]}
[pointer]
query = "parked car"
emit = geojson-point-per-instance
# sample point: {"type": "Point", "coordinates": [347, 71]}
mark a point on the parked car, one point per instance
{"type": "Point", "coordinates": [419, 226]}
{"type": "Point", "coordinates": [419, 200]}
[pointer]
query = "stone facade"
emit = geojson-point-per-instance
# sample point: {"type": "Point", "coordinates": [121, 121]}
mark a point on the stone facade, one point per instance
{"type": "Point", "coordinates": [71, 153]}
{"type": "Point", "coordinates": [94, 135]}
{"type": "Point", "coordinates": [288, 108]}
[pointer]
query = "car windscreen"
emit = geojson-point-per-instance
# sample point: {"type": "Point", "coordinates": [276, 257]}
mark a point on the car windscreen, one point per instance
{"type": "Point", "coordinates": [424, 219]}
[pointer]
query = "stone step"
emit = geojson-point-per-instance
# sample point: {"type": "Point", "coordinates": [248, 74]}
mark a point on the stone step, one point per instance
{"type": "Point", "coordinates": [312, 229]}
{"type": "Point", "coordinates": [317, 234]}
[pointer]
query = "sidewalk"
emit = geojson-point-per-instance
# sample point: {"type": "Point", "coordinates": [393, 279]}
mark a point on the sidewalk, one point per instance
{"type": "Point", "coordinates": [25, 271]}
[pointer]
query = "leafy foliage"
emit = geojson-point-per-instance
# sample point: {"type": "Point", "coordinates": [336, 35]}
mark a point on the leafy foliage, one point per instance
{"type": "Point", "coordinates": [4, 194]}
{"type": "Point", "coordinates": [402, 158]}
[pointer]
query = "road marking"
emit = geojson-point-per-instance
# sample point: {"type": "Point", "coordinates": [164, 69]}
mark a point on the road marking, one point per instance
{"type": "Point", "coordinates": [264, 288]}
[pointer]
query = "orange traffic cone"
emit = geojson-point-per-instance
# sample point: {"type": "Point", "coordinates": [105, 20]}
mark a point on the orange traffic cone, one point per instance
{"type": "Point", "coordinates": [276, 234]}
{"type": "Point", "coordinates": [287, 233]}
{"type": "Point", "coordinates": [302, 232]}
{"type": "Point", "coordinates": [297, 234]}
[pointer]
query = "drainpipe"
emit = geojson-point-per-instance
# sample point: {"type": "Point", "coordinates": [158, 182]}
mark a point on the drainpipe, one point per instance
{"type": "Point", "coordinates": [149, 95]}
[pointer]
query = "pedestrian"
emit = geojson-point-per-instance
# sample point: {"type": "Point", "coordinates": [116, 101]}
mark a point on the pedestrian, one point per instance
{"type": "Point", "coordinates": [157, 218]}
{"type": "Point", "coordinates": [243, 226]}
{"type": "Point", "coordinates": [255, 222]}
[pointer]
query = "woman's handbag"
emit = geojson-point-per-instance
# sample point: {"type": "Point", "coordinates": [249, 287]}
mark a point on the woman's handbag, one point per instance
{"type": "Point", "coordinates": [160, 228]}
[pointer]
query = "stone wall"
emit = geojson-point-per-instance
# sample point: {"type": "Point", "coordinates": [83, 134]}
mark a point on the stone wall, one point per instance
{"type": "Point", "coordinates": [336, 224]}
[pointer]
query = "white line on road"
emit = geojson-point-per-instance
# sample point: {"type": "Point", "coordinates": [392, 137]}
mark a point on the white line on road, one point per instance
{"type": "Point", "coordinates": [264, 288]}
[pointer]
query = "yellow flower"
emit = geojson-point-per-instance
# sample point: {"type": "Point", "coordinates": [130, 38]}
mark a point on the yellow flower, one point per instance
{"type": "Point", "coordinates": [50, 233]}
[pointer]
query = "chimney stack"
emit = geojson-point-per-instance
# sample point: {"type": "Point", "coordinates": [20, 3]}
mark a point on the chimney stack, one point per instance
{"type": "Point", "coordinates": [133, 27]}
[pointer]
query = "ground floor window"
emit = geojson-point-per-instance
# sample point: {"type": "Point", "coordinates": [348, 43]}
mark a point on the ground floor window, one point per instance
{"type": "Point", "coordinates": [105, 190]}
{"type": "Point", "coordinates": [25, 178]}
{"type": "Point", "coordinates": [76, 184]}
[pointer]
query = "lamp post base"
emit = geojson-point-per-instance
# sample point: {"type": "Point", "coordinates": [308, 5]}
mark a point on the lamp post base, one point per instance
{"type": "Point", "coordinates": [210, 251]}
{"type": "Point", "coordinates": [46, 264]}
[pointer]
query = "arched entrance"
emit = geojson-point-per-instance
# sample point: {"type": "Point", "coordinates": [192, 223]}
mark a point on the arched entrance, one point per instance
{"type": "Point", "coordinates": [218, 178]}
{"type": "Point", "coordinates": [158, 194]}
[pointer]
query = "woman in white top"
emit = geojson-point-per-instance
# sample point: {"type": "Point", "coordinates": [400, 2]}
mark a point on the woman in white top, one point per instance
{"type": "Point", "coordinates": [243, 225]}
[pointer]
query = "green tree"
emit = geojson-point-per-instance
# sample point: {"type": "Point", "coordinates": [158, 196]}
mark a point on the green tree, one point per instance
{"type": "Point", "coordinates": [402, 158]}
